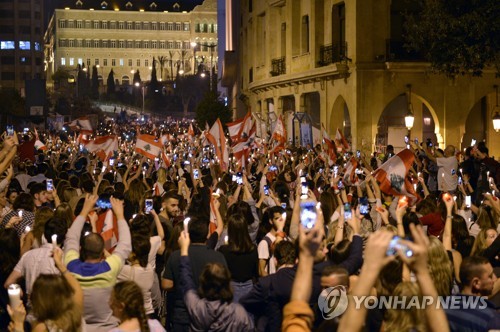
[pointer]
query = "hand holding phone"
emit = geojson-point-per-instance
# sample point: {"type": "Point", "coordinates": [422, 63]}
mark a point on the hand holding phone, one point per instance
{"type": "Point", "coordinates": [308, 214]}
{"type": "Point", "coordinates": [396, 245]}
{"type": "Point", "coordinates": [50, 185]}
{"type": "Point", "coordinates": [148, 205]}
{"type": "Point", "coordinates": [347, 211]}
{"type": "Point", "coordinates": [10, 130]}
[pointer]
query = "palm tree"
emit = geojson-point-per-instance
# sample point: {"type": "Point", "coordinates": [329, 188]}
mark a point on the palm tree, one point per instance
{"type": "Point", "coordinates": [161, 60]}
{"type": "Point", "coordinates": [171, 63]}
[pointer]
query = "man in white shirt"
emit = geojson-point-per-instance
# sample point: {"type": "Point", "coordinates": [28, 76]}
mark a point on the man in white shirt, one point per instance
{"type": "Point", "coordinates": [39, 261]}
{"type": "Point", "coordinates": [448, 168]}
{"type": "Point", "coordinates": [277, 218]}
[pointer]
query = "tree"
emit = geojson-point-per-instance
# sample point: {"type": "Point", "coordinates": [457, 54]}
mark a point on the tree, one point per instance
{"type": "Point", "coordinates": [210, 108]}
{"type": "Point", "coordinates": [161, 60]}
{"type": "Point", "coordinates": [137, 77]}
{"type": "Point", "coordinates": [111, 83]}
{"type": "Point", "coordinates": [95, 84]}
{"type": "Point", "coordinates": [456, 36]}
{"type": "Point", "coordinates": [153, 84]}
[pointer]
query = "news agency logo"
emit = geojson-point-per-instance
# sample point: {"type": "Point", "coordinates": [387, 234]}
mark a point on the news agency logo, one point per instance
{"type": "Point", "coordinates": [333, 302]}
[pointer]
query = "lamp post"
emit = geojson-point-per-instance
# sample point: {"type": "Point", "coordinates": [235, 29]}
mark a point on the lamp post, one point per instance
{"type": "Point", "coordinates": [211, 47]}
{"type": "Point", "coordinates": [137, 84]}
{"type": "Point", "coordinates": [496, 113]}
{"type": "Point", "coordinates": [409, 117]}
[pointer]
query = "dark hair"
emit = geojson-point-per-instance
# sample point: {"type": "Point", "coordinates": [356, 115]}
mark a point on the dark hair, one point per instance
{"type": "Point", "coordinates": [461, 239]}
{"type": "Point", "coordinates": [198, 229]}
{"type": "Point", "coordinates": [129, 294]}
{"type": "Point", "coordinates": [340, 272]}
{"type": "Point", "coordinates": [141, 224]}
{"type": "Point", "coordinates": [25, 202]}
{"type": "Point", "coordinates": [55, 226]}
{"type": "Point", "coordinates": [87, 186]}
{"type": "Point", "coordinates": [237, 231]}
{"type": "Point", "coordinates": [10, 250]}
{"type": "Point", "coordinates": [215, 283]}
{"type": "Point", "coordinates": [472, 267]}
{"type": "Point", "coordinates": [340, 252]}
{"type": "Point", "coordinates": [410, 218]}
{"type": "Point", "coordinates": [390, 276]}
{"type": "Point", "coordinates": [37, 188]}
{"type": "Point", "coordinates": [141, 247]}
{"type": "Point", "coordinates": [92, 247]}
{"type": "Point", "coordinates": [285, 253]}
{"type": "Point", "coordinates": [243, 208]}
{"type": "Point", "coordinates": [74, 181]}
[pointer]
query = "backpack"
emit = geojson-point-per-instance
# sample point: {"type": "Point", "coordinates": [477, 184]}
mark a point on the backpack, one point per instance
{"type": "Point", "coordinates": [270, 248]}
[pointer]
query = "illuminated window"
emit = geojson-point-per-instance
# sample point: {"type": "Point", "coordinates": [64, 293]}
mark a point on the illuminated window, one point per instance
{"type": "Point", "coordinates": [63, 61]}
{"type": "Point", "coordinates": [24, 45]}
{"type": "Point", "coordinates": [7, 45]}
{"type": "Point", "coordinates": [71, 61]}
{"type": "Point", "coordinates": [121, 62]}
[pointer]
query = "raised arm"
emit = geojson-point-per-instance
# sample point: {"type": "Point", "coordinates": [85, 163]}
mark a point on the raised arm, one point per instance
{"type": "Point", "coordinates": [448, 201]}
{"type": "Point", "coordinates": [124, 246]}
{"type": "Point", "coordinates": [72, 242]}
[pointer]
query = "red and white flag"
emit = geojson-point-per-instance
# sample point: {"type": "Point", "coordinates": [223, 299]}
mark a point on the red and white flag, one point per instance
{"type": "Point", "coordinates": [241, 150]}
{"type": "Point", "coordinates": [38, 144]}
{"type": "Point", "coordinates": [216, 137]}
{"type": "Point", "coordinates": [392, 176]}
{"type": "Point", "coordinates": [103, 146]}
{"type": "Point", "coordinates": [165, 159]}
{"type": "Point", "coordinates": [81, 124]}
{"type": "Point", "coordinates": [148, 146]}
{"type": "Point", "coordinates": [239, 130]}
{"type": "Point", "coordinates": [278, 137]}
{"type": "Point", "coordinates": [191, 131]}
{"type": "Point", "coordinates": [350, 171]}
{"type": "Point", "coordinates": [341, 142]}
{"type": "Point", "coordinates": [332, 155]}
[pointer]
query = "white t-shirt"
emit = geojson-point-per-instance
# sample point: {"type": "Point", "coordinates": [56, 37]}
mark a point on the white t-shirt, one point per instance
{"type": "Point", "coordinates": [144, 277]}
{"type": "Point", "coordinates": [447, 173]}
{"type": "Point", "coordinates": [263, 250]}
{"type": "Point", "coordinates": [155, 246]}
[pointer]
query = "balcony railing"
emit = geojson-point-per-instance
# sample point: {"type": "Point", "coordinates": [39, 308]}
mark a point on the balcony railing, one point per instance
{"type": "Point", "coordinates": [332, 53]}
{"type": "Point", "coordinates": [395, 51]}
{"type": "Point", "coordinates": [278, 66]}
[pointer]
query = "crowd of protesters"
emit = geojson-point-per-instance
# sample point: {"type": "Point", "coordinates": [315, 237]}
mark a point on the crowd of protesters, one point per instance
{"type": "Point", "coordinates": [135, 244]}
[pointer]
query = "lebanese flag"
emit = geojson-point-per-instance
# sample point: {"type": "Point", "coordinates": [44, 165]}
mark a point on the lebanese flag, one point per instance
{"type": "Point", "coordinates": [241, 150]}
{"type": "Point", "coordinates": [239, 131]}
{"type": "Point", "coordinates": [392, 176]}
{"type": "Point", "coordinates": [216, 137]}
{"type": "Point", "coordinates": [38, 144]}
{"type": "Point", "coordinates": [331, 145]}
{"type": "Point", "coordinates": [341, 142]}
{"type": "Point", "coordinates": [82, 124]}
{"type": "Point", "coordinates": [350, 171]}
{"type": "Point", "coordinates": [103, 146]}
{"type": "Point", "coordinates": [109, 229]}
{"type": "Point", "coordinates": [148, 146]}
{"type": "Point", "coordinates": [278, 136]}
{"type": "Point", "coordinates": [190, 131]}
{"type": "Point", "coordinates": [166, 160]}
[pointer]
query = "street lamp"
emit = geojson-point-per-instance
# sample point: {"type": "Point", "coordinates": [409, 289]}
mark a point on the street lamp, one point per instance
{"type": "Point", "coordinates": [137, 84]}
{"type": "Point", "coordinates": [211, 47]}
{"type": "Point", "coordinates": [496, 114]}
{"type": "Point", "coordinates": [409, 117]}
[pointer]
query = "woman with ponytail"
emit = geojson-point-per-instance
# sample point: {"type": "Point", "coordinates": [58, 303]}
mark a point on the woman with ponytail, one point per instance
{"type": "Point", "coordinates": [127, 304]}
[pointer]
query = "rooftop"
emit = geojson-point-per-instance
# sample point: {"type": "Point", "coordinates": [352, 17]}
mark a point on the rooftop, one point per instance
{"type": "Point", "coordinates": [132, 5]}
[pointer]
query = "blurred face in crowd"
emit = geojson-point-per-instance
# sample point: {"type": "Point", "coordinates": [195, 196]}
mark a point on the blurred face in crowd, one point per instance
{"type": "Point", "coordinates": [485, 282]}
{"type": "Point", "coordinates": [491, 235]}
{"type": "Point", "coordinates": [277, 218]}
{"type": "Point", "coordinates": [171, 205]}
{"type": "Point", "coordinates": [12, 197]}
{"type": "Point", "coordinates": [41, 197]}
